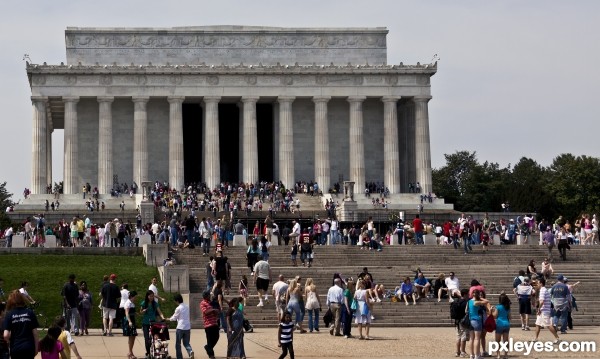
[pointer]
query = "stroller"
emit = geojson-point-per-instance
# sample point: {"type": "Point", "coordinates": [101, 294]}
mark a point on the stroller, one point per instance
{"type": "Point", "coordinates": [159, 348]}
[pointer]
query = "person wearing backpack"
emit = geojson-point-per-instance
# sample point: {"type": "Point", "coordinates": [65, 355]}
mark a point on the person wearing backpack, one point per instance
{"type": "Point", "coordinates": [457, 312]}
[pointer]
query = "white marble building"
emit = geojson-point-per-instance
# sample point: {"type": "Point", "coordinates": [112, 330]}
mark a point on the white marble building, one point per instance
{"type": "Point", "coordinates": [231, 103]}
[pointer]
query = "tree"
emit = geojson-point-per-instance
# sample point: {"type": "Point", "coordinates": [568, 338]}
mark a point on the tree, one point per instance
{"type": "Point", "coordinates": [528, 192]}
{"type": "Point", "coordinates": [5, 202]}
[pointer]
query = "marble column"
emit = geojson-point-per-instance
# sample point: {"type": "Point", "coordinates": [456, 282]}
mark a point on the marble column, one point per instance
{"type": "Point", "coordinates": [71, 180]}
{"type": "Point", "coordinates": [49, 130]}
{"type": "Point", "coordinates": [140, 142]}
{"type": "Point", "coordinates": [422, 144]}
{"type": "Point", "coordinates": [175, 142]}
{"type": "Point", "coordinates": [322, 170]}
{"type": "Point", "coordinates": [357, 144]}
{"type": "Point", "coordinates": [286, 141]}
{"type": "Point", "coordinates": [250, 142]}
{"type": "Point", "coordinates": [39, 146]}
{"type": "Point", "coordinates": [391, 156]}
{"type": "Point", "coordinates": [212, 157]}
{"type": "Point", "coordinates": [105, 145]}
{"type": "Point", "coordinates": [411, 175]}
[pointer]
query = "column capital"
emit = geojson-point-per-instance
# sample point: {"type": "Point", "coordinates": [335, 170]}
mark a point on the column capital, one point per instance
{"type": "Point", "coordinates": [105, 98]}
{"type": "Point", "coordinates": [211, 99]}
{"type": "Point", "coordinates": [176, 99]}
{"type": "Point", "coordinates": [356, 98]}
{"type": "Point", "coordinates": [142, 99]}
{"type": "Point", "coordinates": [250, 99]}
{"type": "Point", "coordinates": [317, 99]}
{"type": "Point", "coordinates": [39, 99]}
{"type": "Point", "coordinates": [73, 99]}
{"type": "Point", "coordinates": [390, 98]}
{"type": "Point", "coordinates": [422, 98]}
{"type": "Point", "coordinates": [282, 99]}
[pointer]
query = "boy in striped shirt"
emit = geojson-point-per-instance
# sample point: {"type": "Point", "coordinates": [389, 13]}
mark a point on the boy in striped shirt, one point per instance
{"type": "Point", "coordinates": [286, 335]}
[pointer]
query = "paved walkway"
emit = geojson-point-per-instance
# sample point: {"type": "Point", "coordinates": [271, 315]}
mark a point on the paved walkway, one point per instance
{"type": "Point", "coordinates": [388, 343]}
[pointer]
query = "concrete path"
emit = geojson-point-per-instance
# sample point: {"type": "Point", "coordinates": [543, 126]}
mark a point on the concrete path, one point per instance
{"type": "Point", "coordinates": [388, 343]}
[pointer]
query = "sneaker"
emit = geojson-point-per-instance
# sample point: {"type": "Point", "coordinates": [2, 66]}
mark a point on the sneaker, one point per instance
{"type": "Point", "coordinates": [464, 355]}
{"type": "Point", "coordinates": [557, 341]}
{"type": "Point", "coordinates": [331, 331]}
{"type": "Point", "coordinates": [522, 327]}
{"type": "Point", "coordinates": [485, 354]}
{"type": "Point", "coordinates": [317, 329]}
{"type": "Point", "coordinates": [260, 304]}
{"type": "Point", "coordinates": [527, 328]}
{"type": "Point", "coordinates": [565, 332]}
{"type": "Point", "coordinates": [191, 355]}
{"type": "Point", "coordinates": [378, 300]}
{"type": "Point", "coordinates": [372, 317]}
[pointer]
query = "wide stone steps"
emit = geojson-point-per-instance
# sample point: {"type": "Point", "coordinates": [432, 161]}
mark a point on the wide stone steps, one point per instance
{"type": "Point", "coordinates": [495, 270]}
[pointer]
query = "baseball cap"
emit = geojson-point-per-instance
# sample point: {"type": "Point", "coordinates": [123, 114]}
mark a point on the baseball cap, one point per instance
{"type": "Point", "coordinates": [560, 277]}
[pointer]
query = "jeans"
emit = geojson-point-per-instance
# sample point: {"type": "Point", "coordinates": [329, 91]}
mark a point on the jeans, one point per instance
{"type": "Point", "coordinates": [223, 321]}
{"type": "Point", "coordinates": [182, 335]}
{"type": "Point", "coordinates": [9, 241]}
{"type": "Point", "coordinates": [294, 307]}
{"type": "Point", "coordinates": [455, 243]}
{"type": "Point", "coordinates": [335, 239]}
{"type": "Point", "coordinates": [467, 244]}
{"type": "Point", "coordinates": [174, 237]}
{"type": "Point", "coordinates": [73, 318]}
{"type": "Point", "coordinates": [313, 321]}
{"type": "Point", "coordinates": [419, 238]}
{"type": "Point", "coordinates": [346, 321]}
{"type": "Point", "coordinates": [206, 245]}
{"type": "Point", "coordinates": [212, 337]}
{"type": "Point", "coordinates": [401, 237]}
{"type": "Point", "coordinates": [323, 240]}
{"type": "Point", "coordinates": [84, 317]}
{"type": "Point", "coordinates": [560, 318]}
{"type": "Point", "coordinates": [148, 340]}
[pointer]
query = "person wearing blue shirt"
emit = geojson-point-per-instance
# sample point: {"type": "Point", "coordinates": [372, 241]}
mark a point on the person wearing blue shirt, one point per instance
{"type": "Point", "coordinates": [475, 306]}
{"type": "Point", "coordinates": [406, 291]}
{"type": "Point", "coordinates": [502, 313]}
{"type": "Point", "coordinates": [422, 286]}
{"type": "Point", "coordinates": [561, 300]}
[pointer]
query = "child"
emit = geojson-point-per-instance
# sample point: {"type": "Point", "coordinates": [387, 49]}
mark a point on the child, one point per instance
{"type": "Point", "coordinates": [285, 335]}
{"type": "Point", "coordinates": [50, 347]}
{"type": "Point", "coordinates": [219, 246]}
{"type": "Point", "coordinates": [65, 338]}
{"type": "Point", "coordinates": [244, 289]}
{"type": "Point", "coordinates": [294, 253]}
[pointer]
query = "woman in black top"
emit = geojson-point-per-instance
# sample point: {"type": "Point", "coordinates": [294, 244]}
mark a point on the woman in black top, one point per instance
{"type": "Point", "coordinates": [21, 324]}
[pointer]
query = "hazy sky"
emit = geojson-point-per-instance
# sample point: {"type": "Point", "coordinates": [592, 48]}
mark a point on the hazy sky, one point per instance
{"type": "Point", "coordinates": [516, 78]}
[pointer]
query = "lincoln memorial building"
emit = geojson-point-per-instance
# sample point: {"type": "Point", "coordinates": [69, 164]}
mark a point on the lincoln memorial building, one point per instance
{"type": "Point", "coordinates": [231, 103]}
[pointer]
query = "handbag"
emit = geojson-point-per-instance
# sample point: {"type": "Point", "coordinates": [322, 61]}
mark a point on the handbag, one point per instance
{"type": "Point", "coordinates": [490, 324]}
{"type": "Point", "coordinates": [354, 304]}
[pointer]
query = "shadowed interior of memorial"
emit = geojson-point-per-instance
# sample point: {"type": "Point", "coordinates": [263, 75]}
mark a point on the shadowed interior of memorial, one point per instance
{"type": "Point", "coordinates": [229, 141]}
{"type": "Point", "coordinates": [264, 131]}
{"type": "Point", "coordinates": [192, 142]}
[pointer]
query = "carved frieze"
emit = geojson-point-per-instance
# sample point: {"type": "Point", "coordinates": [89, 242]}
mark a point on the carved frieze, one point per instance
{"type": "Point", "coordinates": [212, 80]}
{"type": "Point", "coordinates": [251, 80]}
{"type": "Point", "coordinates": [287, 80]}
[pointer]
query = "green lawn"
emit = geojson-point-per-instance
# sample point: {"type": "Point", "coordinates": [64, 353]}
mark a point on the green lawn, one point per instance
{"type": "Point", "coordinates": [46, 275]}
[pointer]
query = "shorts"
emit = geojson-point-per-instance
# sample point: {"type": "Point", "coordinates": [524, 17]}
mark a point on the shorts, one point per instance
{"type": "Point", "coordinates": [80, 235]}
{"type": "Point", "coordinates": [262, 284]}
{"type": "Point", "coordinates": [108, 313]}
{"type": "Point", "coordinates": [524, 306]}
{"type": "Point", "coordinates": [477, 325]}
{"type": "Point", "coordinates": [462, 334]}
{"type": "Point", "coordinates": [293, 256]}
{"type": "Point", "coordinates": [543, 320]}
{"type": "Point", "coordinates": [502, 330]}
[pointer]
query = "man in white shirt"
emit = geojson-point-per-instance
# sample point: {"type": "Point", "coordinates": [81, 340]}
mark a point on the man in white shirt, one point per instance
{"type": "Point", "coordinates": [262, 278]}
{"type": "Point", "coordinates": [453, 287]}
{"type": "Point", "coordinates": [153, 288]}
{"type": "Point", "coordinates": [182, 316]}
{"type": "Point", "coordinates": [335, 297]}
{"type": "Point", "coordinates": [295, 231]}
{"type": "Point", "coordinates": [279, 290]}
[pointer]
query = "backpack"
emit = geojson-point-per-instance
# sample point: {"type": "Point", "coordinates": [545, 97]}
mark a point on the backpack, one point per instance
{"type": "Point", "coordinates": [455, 310]}
{"type": "Point", "coordinates": [516, 281]}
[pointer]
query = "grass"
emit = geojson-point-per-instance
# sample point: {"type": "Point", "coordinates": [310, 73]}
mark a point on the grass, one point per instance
{"type": "Point", "coordinates": [46, 275]}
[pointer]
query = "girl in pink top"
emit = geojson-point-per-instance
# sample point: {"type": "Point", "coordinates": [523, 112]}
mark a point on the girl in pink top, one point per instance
{"type": "Point", "coordinates": [50, 347]}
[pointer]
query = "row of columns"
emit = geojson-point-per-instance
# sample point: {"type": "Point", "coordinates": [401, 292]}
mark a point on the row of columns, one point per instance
{"type": "Point", "coordinates": [41, 167]}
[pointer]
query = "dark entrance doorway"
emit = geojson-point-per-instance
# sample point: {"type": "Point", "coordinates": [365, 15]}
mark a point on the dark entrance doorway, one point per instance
{"type": "Point", "coordinates": [229, 141]}
{"type": "Point", "coordinates": [192, 142]}
{"type": "Point", "coordinates": [264, 129]}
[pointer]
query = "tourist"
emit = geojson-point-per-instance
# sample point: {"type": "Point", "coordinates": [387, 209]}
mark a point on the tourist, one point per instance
{"type": "Point", "coordinates": [110, 303]}
{"type": "Point", "coordinates": [531, 270]}
{"type": "Point", "coordinates": [312, 304]}
{"type": "Point", "coordinates": [547, 269]}
{"type": "Point", "coordinates": [347, 311]}
{"type": "Point", "coordinates": [219, 298]}
{"type": "Point", "coordinates": [23, 291]}
{"type": "Point", "coordinates": [285, 336]}
{"type": "Point", "coordinates": [561, 300]}
{"type": "Point", "coordinates": [439, 287]}
{"type": "Point", "coordinates": [475, 285]}
{"type": "Point", "coordinates": [363, 311]}
{"type": "Point", "coordinates": [293, 300]}
{"type": "Point", "coordinates": [405, 291]}
{"type": "Point", "coordinates": [154, 289]}
{"type": "Point", "coordinates": [544, 319]}
{"type": "Point", "coordinates": [182, 334]}
{"type": "Point", "coordinates": [294, 253]}
{"type": "Point", "coordinates": [525, 293]}
{"type": "Point", "coordinates": [422, 286]}
{"type": "Point", "coordinates": [129, 324]}
{"type": "Point", "coordinates": [20, 327]}
{"type": "Point", "coordinates": [262, 278]}
{"type": "Point", "coordinates": [252, 254]}
{"type": "Point", "coordinates": [235, 334]}
{"type": "Point", "coordinates": [70, 294]}
{"type": "Point", "coordinates": [50, 347]}
{"type": "Point", "coordinates": [306, 249]}
{"type": "Point", "coordinates": [124, 297]}
{"type": "Point", "coordinates": [210, 279]}
{"type": "Point", "coordinates": [243, 290]}
{"type": "Point", "coordinates": [502, 314]}
{"type": "Point", "coordinates": [476, 307]}
{"type": "Point", "coordinates": [150, 310]}
{"type": "Point", "coordinates": [279, 294]}
{"type": "Point", "coordinates": [549, 240]}
{"type": "Point", "coordinates": [459, 308]}
{"type": "Point", "coordinates": [211, 328]}
{"type": "Point", "coordinates": [563, 243]}
{"type": "Point", "coordinates": [74, 233]}
{"type": "Point", "coordinates": [265, 245]}
{"type": "Point", "coordinates": [85, 307]}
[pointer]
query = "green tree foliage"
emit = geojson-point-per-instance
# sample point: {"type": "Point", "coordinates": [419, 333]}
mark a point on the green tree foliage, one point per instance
{"type": "Point", "coordinates": [568, 187]}
{"type": "Point", "coordinates": [5, 201]}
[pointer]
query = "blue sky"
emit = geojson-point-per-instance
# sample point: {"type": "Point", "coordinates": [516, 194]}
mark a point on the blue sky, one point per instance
{"type": "Point", "coordinates": [516, 78]}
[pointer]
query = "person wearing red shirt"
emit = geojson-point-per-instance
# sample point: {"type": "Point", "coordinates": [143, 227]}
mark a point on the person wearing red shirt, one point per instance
{"type": "Point", "coordinates": [418, 228]}
{"type": "Point", "coordinates": [210, 315]}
